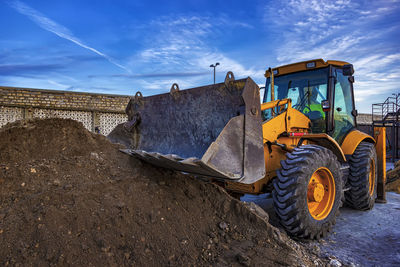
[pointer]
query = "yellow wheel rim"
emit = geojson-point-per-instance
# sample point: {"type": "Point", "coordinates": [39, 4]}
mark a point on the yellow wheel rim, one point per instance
{"type": "Point", "coordinates": [372, 177]}
{"type": "Point", "coordinates": [321, 193]}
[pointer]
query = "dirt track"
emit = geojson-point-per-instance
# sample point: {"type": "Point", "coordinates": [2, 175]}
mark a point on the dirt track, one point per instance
{"type": "Point", "coordinates": [69, 197]}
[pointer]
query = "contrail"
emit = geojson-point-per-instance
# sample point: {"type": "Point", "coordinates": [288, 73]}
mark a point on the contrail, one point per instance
{"type": "Point", "coordinates": [60, 30]}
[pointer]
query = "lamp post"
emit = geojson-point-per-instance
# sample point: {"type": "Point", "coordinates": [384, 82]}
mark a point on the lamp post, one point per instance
{"type": "Point", "coordinates": [214, 66]}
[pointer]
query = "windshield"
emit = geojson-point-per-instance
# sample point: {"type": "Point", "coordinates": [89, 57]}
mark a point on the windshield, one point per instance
{"type": "Point", "coordinates": [307, 90]}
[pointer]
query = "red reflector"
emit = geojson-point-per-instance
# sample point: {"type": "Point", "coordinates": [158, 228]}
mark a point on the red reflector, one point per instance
{"type": "Point", "coordinates": [297, 134]}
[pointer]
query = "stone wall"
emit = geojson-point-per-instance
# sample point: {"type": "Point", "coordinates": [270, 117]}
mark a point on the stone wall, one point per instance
{"type": "Point", "coordinates": [364, 119]}
{"type": "Point", "coordinates": [95, 111]}
{"type": "Point", "coordinates": [23, 97]}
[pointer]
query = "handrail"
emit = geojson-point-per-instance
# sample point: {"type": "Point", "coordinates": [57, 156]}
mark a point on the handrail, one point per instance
{"type": "Point", "coordinates": [386, 111]}
{"type": "Point", "coordinates": [276, 103]}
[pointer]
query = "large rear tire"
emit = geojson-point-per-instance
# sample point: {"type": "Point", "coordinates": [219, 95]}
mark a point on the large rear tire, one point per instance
{"type": "Point", "coordinates": [308, 191]}
{"type": "Point", "coordinates": [362, 178]}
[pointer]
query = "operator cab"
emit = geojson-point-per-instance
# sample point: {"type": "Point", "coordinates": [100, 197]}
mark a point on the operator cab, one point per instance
{"type": "Point", "coordinates": [323, 91]}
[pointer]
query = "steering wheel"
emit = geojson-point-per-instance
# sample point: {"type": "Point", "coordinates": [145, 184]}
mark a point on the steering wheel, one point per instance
{"type": "Point", "coordinates": [307, 107]}
{"type": "Point", "coordinates": [305, 110]}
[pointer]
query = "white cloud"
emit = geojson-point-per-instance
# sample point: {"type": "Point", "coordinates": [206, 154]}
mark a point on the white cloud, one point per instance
{"type": "Point", "coordinates": [61, 31]}
{"type": "Point", "coordinates": [185, 43]}
{"type": "Point", "coordinates": [58, 85]}
{"type": "Point", "coordinates": [353, 31]}
{"type": "Point", "coordinates": [226, 64]}
{"type": "Point", "coordinates": [376, 61]}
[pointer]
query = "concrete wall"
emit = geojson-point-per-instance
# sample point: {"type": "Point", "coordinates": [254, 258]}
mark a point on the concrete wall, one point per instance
{"type": "Point", "coordinates": [93, 110]}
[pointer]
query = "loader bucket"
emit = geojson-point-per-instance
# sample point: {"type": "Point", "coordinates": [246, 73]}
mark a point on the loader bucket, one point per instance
{"type": "Point", "coordinates": [212, 131]}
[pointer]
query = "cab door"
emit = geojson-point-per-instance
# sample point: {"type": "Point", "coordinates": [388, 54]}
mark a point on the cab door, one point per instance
{"type": "Point", "coordinates": [344, 120]}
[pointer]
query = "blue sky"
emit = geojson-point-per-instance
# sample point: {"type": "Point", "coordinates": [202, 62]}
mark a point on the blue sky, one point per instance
{"type": "Point", "coordinates": [120, 47]}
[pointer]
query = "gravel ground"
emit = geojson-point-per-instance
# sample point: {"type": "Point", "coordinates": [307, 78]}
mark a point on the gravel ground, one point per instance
{"type": "Point", "coordinates": [359, 238]}
{"type": "Point", "coordinates": [369, 238]}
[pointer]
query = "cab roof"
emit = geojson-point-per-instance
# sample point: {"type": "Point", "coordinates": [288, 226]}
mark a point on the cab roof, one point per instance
{"type": "Point", "coordinates": [304, 65]}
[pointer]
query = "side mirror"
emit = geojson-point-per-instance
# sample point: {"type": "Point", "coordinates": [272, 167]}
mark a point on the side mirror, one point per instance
{"type": "Point", "coordinates": [354, 112]}
{"type": "Point", "coordinates": [348, 70]}
{"type": "Point", "coordinates": [326, 106]}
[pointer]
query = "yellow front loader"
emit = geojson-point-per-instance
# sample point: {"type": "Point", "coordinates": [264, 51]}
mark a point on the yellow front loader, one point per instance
{"type": "Point", "coordinates": [300, 144]}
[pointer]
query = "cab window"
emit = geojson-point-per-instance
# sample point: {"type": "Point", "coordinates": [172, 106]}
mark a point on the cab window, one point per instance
{"type": "Point", "coordinates": [306, 89]}
{"type": "Point", "coordinates": [344, 120]}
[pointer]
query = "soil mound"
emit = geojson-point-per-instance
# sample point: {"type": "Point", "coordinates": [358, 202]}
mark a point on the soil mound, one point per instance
{"type": "Point", "coordinates": [393, 178]}
{"type": "Point", "coordinates": [69, 197]}
{"type": "Point", "coordinates": [44, 139]}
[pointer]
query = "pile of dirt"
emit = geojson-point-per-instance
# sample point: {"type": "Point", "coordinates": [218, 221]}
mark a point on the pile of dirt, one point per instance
{"type": "Point", "coordinates": [393, 178]}
{"type": "Point", "coordinates": [69, 197]}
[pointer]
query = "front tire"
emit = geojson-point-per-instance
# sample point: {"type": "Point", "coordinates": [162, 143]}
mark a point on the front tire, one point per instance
{"type": "Point", "coordinates": [308, 191]}
{"type": "Point", "coordinates": [362, 178]}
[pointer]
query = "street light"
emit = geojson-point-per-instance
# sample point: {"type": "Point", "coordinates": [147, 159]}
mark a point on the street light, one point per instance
{"type": "Point", "coordinates": [214, 66]}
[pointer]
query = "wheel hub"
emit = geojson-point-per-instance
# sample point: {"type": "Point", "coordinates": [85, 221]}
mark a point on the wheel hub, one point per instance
{"type": "Point", "coordinates": [316, 192]}
{"type": "Point", "coordinates": [320, 193]}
